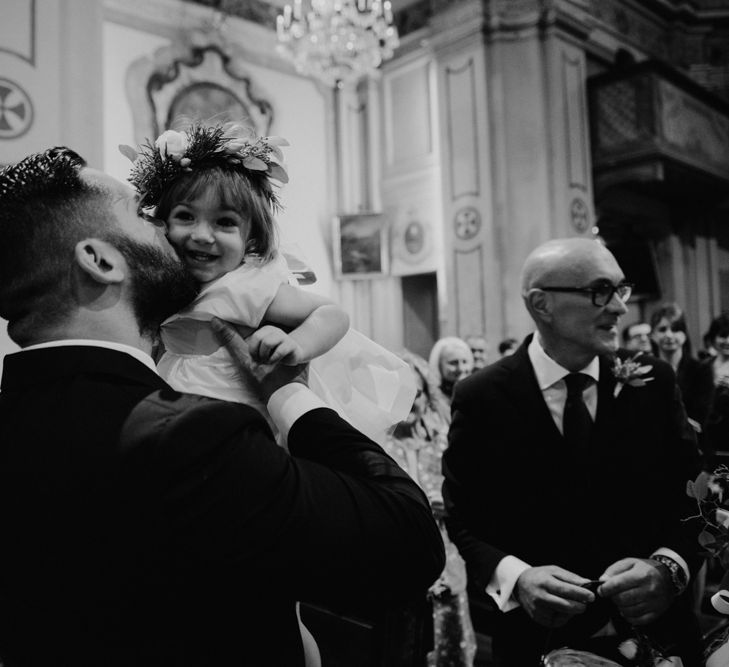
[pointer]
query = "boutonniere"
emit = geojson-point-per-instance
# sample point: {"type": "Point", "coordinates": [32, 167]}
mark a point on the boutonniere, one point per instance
{"type": "Point", "coordinates": [630, 372]}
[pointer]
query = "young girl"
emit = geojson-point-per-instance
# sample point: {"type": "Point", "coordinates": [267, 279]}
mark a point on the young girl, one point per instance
{"type": "Point", "coordinates": [213, 187]}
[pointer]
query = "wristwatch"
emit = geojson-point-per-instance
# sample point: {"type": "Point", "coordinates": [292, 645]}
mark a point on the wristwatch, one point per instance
{"type": "Point", "coordinates": [675, 571]}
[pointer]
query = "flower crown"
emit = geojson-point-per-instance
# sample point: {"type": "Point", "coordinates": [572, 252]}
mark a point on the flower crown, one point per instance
{"type": "Point", "coordinates": [157, 165]}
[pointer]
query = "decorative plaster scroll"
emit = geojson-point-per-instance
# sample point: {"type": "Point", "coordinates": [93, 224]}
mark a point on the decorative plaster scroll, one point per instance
{"type": "Point", "coordinates": [257, 11]}
{"type": "Point", "coordinates": [199, 77]}
{"type": "Point", "coordinates": [575, 117]}
{"type": "Point", "coordinates": [579, 215]}
{"type": "Point", "coordinates": [468, 284]}
{"type": "Point", "coordinates": [460, 96]}
{"type": "Point", "coordinates": [17, 29]}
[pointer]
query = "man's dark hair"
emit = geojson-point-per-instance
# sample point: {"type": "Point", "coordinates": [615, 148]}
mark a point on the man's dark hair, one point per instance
{"type": "Point", "coordinates": [626, 332]}
{"type": "Point", "coordinates": [719, 327]}
{"type": "Point", "coordinates": [46, 208]}
{"type": "Point", "coordinates": [507, 344]}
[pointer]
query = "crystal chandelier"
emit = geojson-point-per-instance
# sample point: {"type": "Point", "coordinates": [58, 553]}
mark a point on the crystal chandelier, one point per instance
{"type": "Point", "coordinates": [337, 41]}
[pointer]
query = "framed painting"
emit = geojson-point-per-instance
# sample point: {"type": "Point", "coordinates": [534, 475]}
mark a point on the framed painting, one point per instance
{"type": "Point", "coordinates": [361, 246]}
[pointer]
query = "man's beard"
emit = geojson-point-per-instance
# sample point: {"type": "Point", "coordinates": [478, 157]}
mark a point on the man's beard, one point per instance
{"type": "Point", "coordinates": [161, 284]}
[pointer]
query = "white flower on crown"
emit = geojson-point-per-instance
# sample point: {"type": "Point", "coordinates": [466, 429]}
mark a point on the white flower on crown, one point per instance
{"type": "Point", "coordinates": [173, 144]}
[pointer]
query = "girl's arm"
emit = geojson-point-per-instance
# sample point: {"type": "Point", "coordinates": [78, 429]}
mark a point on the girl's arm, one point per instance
{"type": "Point", "coordinates": [315, 325]}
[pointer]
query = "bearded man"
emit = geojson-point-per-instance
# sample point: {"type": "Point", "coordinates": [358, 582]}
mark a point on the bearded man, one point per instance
{"type": "Point", "coordinates": [141, 526]}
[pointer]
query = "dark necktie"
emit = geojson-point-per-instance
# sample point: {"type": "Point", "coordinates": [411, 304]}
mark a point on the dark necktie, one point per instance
{"type": "Point", "coordinates": [576, 420]}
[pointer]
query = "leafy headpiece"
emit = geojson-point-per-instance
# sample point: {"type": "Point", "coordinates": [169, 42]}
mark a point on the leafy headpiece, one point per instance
{"type": "Point", "coordinates": [231, 147]}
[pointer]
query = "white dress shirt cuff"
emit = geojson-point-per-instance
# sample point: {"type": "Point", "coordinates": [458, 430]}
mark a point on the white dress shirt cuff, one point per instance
{"type": "Point", "coordinates": [290, 402]}
{"type": "Point", "coordinates": [503, 580]}
{"type": "Point", "coordinates": [665, 551]}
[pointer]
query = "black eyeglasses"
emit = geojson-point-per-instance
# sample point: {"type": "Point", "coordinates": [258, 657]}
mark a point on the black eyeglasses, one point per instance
{"type": "Point", "coordinates": [602, 293]}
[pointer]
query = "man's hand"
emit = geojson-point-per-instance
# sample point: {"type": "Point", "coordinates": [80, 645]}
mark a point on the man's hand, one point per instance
{"type": "Point", "coordinates": [261, 379]}
{"type": "Point", "coordinates": [640, 588]}
{"type": "Point", "coordinates": [551, 595]}
{"type": "Point", "coordinates": [271, 345]}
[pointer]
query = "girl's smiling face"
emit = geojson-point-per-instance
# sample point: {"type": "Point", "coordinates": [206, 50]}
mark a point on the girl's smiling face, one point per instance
{"type": "Point", "coordinates": [208, 235]}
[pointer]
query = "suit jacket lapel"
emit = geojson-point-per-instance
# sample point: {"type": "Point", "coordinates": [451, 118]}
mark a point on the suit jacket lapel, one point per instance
{"type": "Point", "coordinates": [525, 392]}
{"type": "Point", "coordinates": [605, 396]}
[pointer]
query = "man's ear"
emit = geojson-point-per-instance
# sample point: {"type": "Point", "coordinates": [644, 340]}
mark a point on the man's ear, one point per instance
{"type": "Point", "coordinates": [538, 303]}
{"type": "Point", "coordinates": [101, 261]}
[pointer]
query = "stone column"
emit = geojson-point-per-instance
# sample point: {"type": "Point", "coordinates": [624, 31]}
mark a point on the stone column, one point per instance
{"type": "Point", "coordinates": [515, 153]}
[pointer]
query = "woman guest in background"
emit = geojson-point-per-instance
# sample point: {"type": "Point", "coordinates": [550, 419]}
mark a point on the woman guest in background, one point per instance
{"type": "Point", "coordinates": [668, 331]}
{"type": "Point", "coordinates": [417, 444]}
{"type": "Point", "coordinates": [717, 426]}
{"type": "Point", "coordinates": [450, 360]}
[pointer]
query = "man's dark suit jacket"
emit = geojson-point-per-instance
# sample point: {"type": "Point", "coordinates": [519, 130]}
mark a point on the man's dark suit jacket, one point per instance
{"type": "Point", "coordinates": [141, 526]}
{"type": "Point", "coordinates": [512, 486]}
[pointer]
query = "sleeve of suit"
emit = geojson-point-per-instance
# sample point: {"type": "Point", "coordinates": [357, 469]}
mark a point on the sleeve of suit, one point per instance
{"type": "Point", "coordinates": [462, 471]}
{"type": "Point", "coordinates": [680, 464]}
{"type": "Point", "coordinates": [335, 519]}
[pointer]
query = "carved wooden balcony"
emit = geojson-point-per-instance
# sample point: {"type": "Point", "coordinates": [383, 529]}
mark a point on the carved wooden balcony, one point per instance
{"type": "Point", "coordinates": [654, 128]}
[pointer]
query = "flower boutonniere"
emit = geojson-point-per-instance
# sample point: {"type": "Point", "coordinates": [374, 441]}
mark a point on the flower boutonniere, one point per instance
{"type": "Point", "coordinates": [630, 372]}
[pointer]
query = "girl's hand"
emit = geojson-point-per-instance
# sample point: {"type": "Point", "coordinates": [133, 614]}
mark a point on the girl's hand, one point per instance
{"type": "Point", "coordinates": [271, 345]}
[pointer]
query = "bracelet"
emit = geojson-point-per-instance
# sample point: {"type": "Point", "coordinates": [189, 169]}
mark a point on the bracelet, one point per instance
{"type": "Point", "coordinates": [675, 571]}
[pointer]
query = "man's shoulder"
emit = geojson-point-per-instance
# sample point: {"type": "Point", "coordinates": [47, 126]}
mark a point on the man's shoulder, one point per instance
{"type": "Point", "coordinates": [166, 413]}
{"type": "Point", "coordinates": [495, 377]}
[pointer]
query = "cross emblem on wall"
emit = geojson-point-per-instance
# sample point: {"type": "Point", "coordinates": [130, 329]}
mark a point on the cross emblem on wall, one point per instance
{"type": "Point", "coordinates": [467, 222]}
{"type": "Point", "coordinates": [16, 110]}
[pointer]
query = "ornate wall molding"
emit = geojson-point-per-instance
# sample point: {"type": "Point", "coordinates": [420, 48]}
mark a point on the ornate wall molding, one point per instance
{"type": "Point", "coordinates": [470, 311]}
{"type": "Point", "coordinates": [17, 42]}
{"type": "Point", "coordinates": [198, 76]}
{"type": "Point", "coordinates": [462, 125]}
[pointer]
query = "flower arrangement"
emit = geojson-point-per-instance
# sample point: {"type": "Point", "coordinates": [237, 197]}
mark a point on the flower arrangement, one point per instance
{"type": "Point", "coordinates": [228, 146]}
{"type": "Point", "coordinates": [630, 372]}
{"type": "Point", "coordinates": [712, 500]}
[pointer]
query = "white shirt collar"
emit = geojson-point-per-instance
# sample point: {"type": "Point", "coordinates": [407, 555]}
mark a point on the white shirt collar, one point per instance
{"type": "Point", "coordinates": [109, 345]}
{"type": "Point", "coordinates": [548, 371]}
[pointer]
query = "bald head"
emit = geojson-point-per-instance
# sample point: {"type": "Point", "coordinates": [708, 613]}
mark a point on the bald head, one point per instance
{"type": "Point", "coordinates": [563, 261]}
{"type": "Point", "coordinates": [573, 289]}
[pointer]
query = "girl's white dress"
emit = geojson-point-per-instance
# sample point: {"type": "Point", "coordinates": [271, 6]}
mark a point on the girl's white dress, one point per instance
{"type": "Point", "coordinates": [366, 384]}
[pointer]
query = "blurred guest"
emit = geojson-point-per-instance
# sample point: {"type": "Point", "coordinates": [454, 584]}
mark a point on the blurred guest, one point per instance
{"type": "Point", "coordinates": [508, 346]}
{"type": "Point", "coordinates": [480, 350]}
{"type": "Point", "coordinates": [669, 333]}
{"type": "Point", "coordinates": [417, 444]}
{"type": "Point", "coordinates": [709, 352]}
{"type": "Point", "coordinates": [717, 427]}
{"type": "Point", "coordinates": [637, 338]}
{"type": "Point", "coordinates": [450, 361]}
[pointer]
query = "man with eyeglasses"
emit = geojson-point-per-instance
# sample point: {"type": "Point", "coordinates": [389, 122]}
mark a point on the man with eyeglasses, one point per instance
{"type": "Point", "coordinates": [565, 487]}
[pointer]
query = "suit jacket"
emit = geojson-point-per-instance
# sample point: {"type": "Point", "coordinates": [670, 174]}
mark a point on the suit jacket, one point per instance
{"type": "Point", "coordinates": [512, 486]}
{"type": "Point", "coordinates": [142, 526]}
{"type": "Point", "coordinates": [696, 381]}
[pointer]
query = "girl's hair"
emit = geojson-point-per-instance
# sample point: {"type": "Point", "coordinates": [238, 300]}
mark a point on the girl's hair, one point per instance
{"type": "Point", "coordinates": [673, 314]}
{"type": "Point", "coordinates": [719, 327]}
{"type": "Point", "coordinates": [247, 192]}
